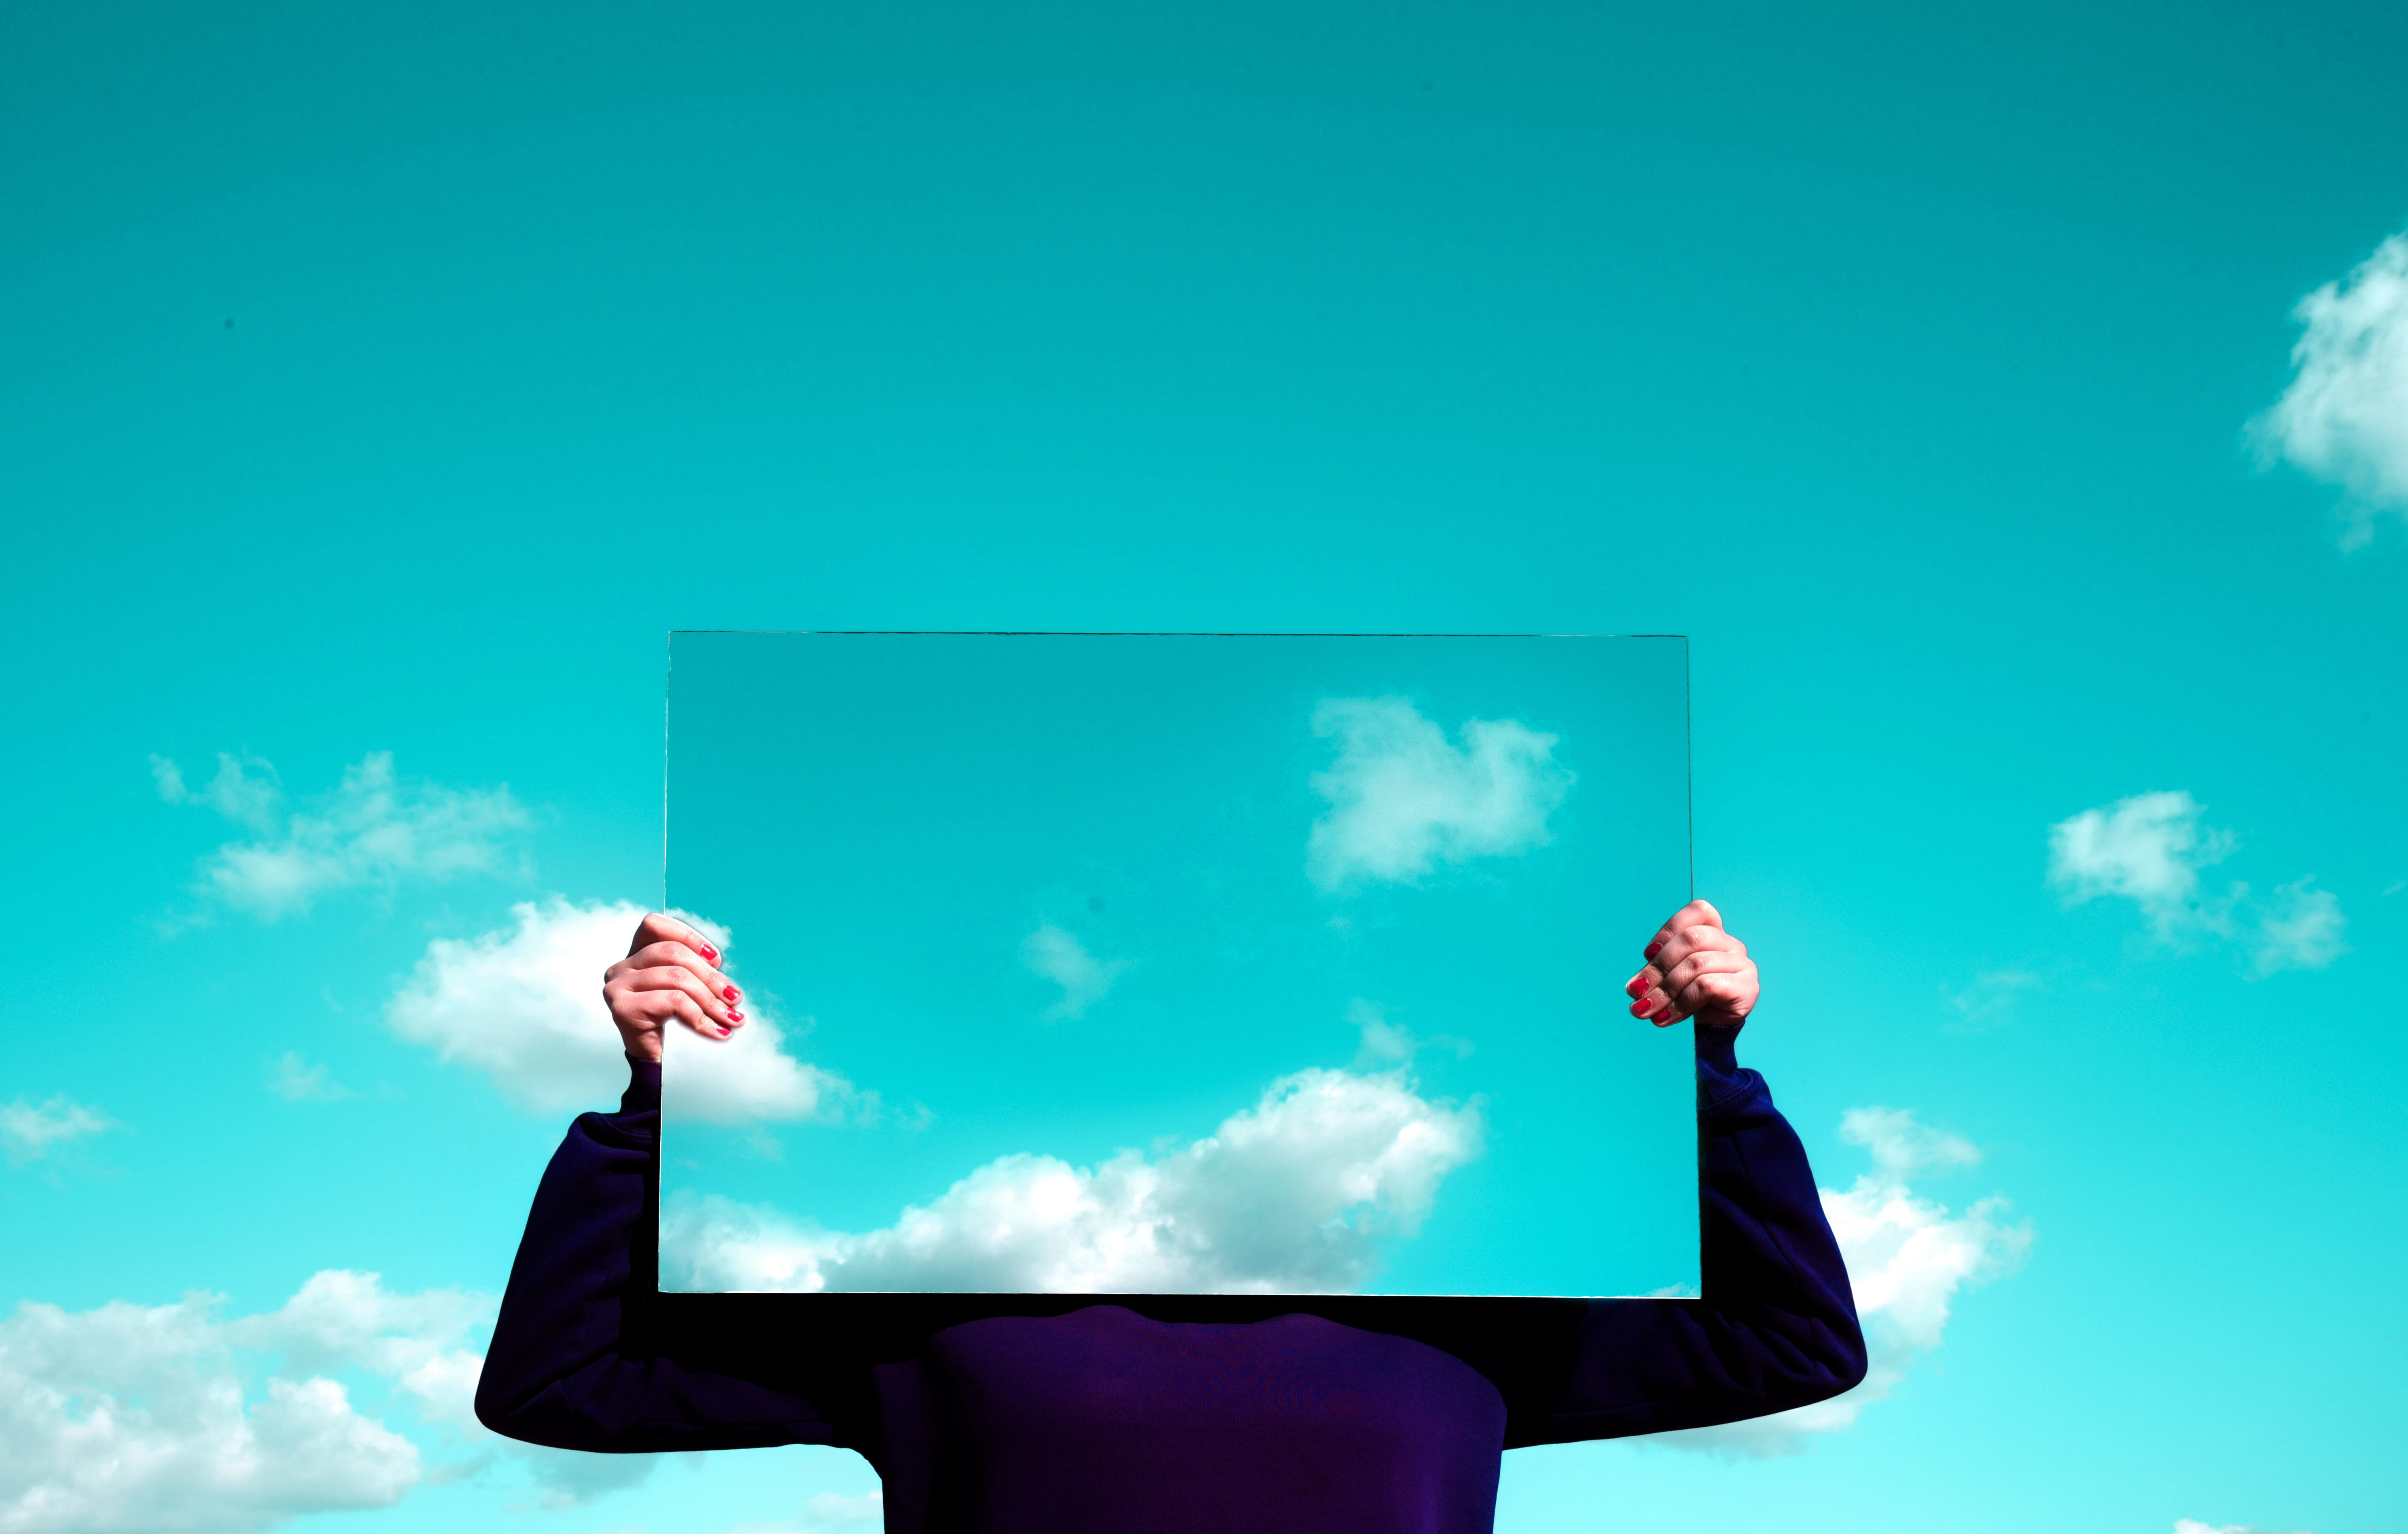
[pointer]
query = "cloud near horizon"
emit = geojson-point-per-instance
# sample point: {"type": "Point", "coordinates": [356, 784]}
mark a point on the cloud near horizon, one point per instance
{"type": "Point", "coordinates": [1402, 799]}
{"type": "Point", "coordinates": [374, 830]}
{"type": "Point", "coordinates": [1908, 1258]}
{"type": "Point", "coordinates": [523, 1004]}
{"type": "Point", "coordinates": [132, 1419]}
{"type": "Point", "coordinates": [2149, 849]}
{"type": "Point", "coordinates": [2343, 418]}
{"type": "Point", "coordinates": [1299, 1194]}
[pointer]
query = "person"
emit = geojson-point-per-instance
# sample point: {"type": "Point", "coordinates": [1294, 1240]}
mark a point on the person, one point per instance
{"type": "Point", "coordinates": [1084, 1415]}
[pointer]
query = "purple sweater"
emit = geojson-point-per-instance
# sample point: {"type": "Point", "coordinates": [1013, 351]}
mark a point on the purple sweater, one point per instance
{"type": "Point", "coordinates": [1165, 1413]}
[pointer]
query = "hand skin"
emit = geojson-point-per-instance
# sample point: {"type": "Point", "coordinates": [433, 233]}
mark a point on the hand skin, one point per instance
{"type": "Point", "coordinates": [1695, 969]}
{"type": "Point", "coordinates": [668, 974]}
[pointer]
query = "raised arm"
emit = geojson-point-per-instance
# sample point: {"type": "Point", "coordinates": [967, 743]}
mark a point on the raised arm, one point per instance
{"type": "Point", "coordinates": [1776, 1328]}
{"type": "Point", "coordinates": [574, 1363]}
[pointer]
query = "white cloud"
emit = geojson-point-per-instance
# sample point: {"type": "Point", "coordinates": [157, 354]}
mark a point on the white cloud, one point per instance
{"type": "Point", "coordinates": [29, 1131]}
{"type": "Point", "coordinates": [2192, 1526]}
{"type": "Point", "coordinates": [2345, 417]}
{"type": "Point", "coordinates": [1992, 999]}
{"type": "Point", "coordinates": [1064, 960]}
{"type": "Point", "coordinates": [295, 1080]}
{"type": "Point", "coordinates": [1907, 1259]}
{"type": "Point", "coordinates": [2149, 849]}
{"type": "Point", "coordinates": [1299, 1194]}
{"type": "Point", "coordinates": [524, 1006]}
{"type": "Point", "coordinates": [374, 830]}
{"type": "Point", "coordinates": [1402, 799]}
{"type": "Point", "coordinates": [160, 1420]}
{"type": "Point", "coordinates": [2302, 930]}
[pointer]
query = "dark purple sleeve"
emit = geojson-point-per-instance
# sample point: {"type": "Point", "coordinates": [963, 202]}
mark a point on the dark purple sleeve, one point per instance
{"type": "Point", "coordinates": [570, 1366]}
{"type": "Point", "coordinates": [1777, 1324]}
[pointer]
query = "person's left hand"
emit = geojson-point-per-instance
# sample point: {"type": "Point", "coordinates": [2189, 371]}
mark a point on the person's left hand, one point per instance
{"type": "Point", "coordinates": [1695, 969]}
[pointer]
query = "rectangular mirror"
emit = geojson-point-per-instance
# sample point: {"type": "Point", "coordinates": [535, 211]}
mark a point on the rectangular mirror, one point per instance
{"type": "Point", "coordinates": [1179, 963]}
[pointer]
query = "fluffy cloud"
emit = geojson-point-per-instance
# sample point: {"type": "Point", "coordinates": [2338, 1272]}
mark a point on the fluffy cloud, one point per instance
{"type": "Point", "coordinates": [2345, 417]}
{"type": "Point", "coordinates": [29, 1131]}
{"type": "Point", "coordinates": [1064, 960]}
{"type": "Point", "coordinates": [2150, 848]}
{"type": "Point", "coordinates": [1402, 799]}
{"type": "Point", "coordinates": [2192, 1526]}
{"type": "Point", "coordinates": [1297, 1194]}
{"type": "Point", "coordinates": [524, 1006]}
{"type": "Point", "coordinates": [160, 1419]}
{"type": "Point", "coordinates": [1908, 1258]}
{"type": "Point", "coordinates": [373, 830]}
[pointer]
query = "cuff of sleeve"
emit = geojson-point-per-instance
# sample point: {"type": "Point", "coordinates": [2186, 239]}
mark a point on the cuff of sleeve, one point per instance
{"type": "Point", "coordinates": [1719, 1075]}
{"type": "Point", "coordinates": [643, 1093]}
{"type": "Point", "coordinates": [1717, 1050]}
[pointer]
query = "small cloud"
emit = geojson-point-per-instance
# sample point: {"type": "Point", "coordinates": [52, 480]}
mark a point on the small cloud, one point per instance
{"type": "Point", "coordinates": [1402, 799]}
{"type": "Point", "coordinates": [1908, 1258]}
{"type": "Point", "coordinates": [246, 790]}
{"type": "Point", "coordinates": [375, 829]}
{"type": "Point", "coordinates": [524, 1005]}
{"type": "Point", "coordinates": [2150, 848]}
{"type": "Point", "coordinates": [29, 1131]}
{"type": "Point", "coordinates": [2302, 930]}
{"type": "Point", "coordinates": [295, 1080]}
{"type": "Point", "coordinates": [1064, 960]}
{"type": "Point", "coordinates": [1394, 1043]}
{"type": "Point", "coordinates": [1992, 999]}
{"type": "Point", "coordinates": [2192, 1526]}
{"type": "Point", "coordinates": [2343, 418]}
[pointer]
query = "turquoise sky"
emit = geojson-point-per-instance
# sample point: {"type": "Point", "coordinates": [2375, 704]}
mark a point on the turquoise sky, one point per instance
{"type": "Point", "coordinates": [391, 380]}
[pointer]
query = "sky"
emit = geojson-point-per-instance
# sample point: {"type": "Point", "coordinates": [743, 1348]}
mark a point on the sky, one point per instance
{"type": "Point", "coordinates": [2011, 406]}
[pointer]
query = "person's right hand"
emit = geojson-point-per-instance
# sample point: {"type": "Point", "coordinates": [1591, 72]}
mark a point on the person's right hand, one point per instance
{"type": "Point", "coordinates": [669, 974]}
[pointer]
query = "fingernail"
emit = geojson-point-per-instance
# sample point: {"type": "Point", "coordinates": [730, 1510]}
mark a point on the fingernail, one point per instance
{"type": "Point", "coordinates": [1638, 986]}
{"type": "Point", "coordinates": [731, 993]}
{"type": "Point", "coordinates": [1652, 949]}
{"type": "Point", "coordinates": [1640, 1008]}
{"type": "Point", "coordinates": [736, 1017]}
{"type": "Point", "coordinates": [710, 953]}
{"type": "Point", "coordinates": [1666, 1022]}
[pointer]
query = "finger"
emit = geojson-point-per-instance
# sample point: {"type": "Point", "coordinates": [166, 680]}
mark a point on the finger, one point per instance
{"type": "Point", "coordinates": [1711, 961]}
{"type": "Point", "coordinates": [1696, 913]}
{"type": "Point", "coordinates": [660, 1008]}
{"type": "Point", "coordinates": [1663, 995]}
{"type": "Point", "coordinates": [668, 953]}
{"type": "Point", "coordinates": [677, 978]}
{"type": "Point", "coordinates": [1680, 946]}
{"type": "Point", "coordinates": [657, 928]}
{"type": "Point", "coordinates": [1733, 991]}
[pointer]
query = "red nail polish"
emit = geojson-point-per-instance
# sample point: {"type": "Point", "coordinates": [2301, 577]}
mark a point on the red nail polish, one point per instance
{"type": "Point", "coordinates": [730, 993]}
{"type": "Point", "coordinates": [709, 954]}
{"type": "Point", "coordinates": [1639, 1008]}
{"type": "Point", "coordinates": [1638, 986]}
{"type": "Point", "coordinates": [736, 1017]}
{"type": "Point", "coordinates": [1652, 949]}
